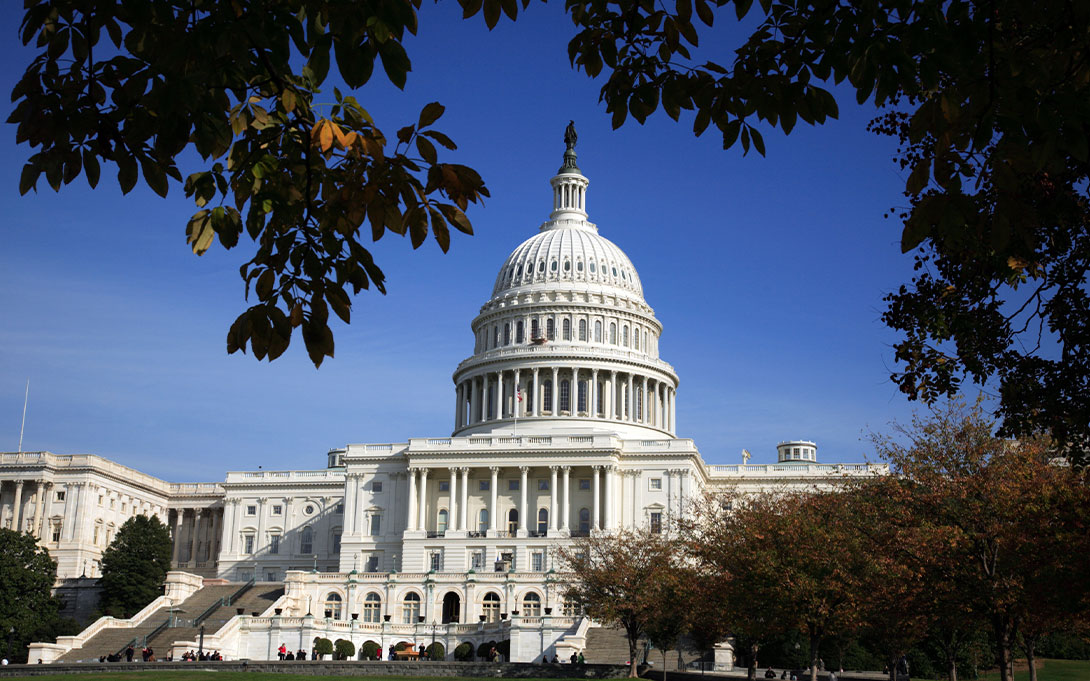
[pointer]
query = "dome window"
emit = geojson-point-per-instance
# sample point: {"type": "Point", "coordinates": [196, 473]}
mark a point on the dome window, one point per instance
{"type": "Point", "coordinates": [622, 275]}
{"type": "Point", "coordinates": [541, 266]}
{"type": "Point", "coordinates": [614, 271]}
{"type": "Point", "coordinates": [567, 265]}
{"type": "Point", "coordinates": [592, 268]}
{"type": "Point", "coordinates": [579, 266]}
{"type": "Point", "coordinates": [518, 271]}
{"type": "Point", "coordinates": [553, 266]}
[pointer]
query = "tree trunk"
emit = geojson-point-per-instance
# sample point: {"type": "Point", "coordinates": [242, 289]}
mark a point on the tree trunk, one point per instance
{"type": "Point", "coordinates": [1005, 633]}
{"type": "Point", "coordinates": [633, 643]}
{"type": "Point", "coordinates": [664, 664]}
{"type": "Point", "coordinates": [751, 673]}
{"type": "Point", "coordinates": [952, 669]}
{"type": "Point", "coordinates": [1029, 645]}
{"type": "Point", "coordinates": [815, 642]}
{"type": "Point", "coordinates": [891, 666]}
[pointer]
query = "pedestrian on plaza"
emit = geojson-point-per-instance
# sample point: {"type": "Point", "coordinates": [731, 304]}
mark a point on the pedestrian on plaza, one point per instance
{"type": "Point", "coordinates": [129, 652]}
{"type": "Point", "coordinates": [582, 660]}
{"type": "Point", "coordinates": [282, 651]}
{"type": "Point", "coordinates": [574, 659]}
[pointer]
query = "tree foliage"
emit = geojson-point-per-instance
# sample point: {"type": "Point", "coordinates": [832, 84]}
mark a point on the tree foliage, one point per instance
{"type": "Point", "coordinates": [27, 575]}
{"type": "Point", "coordinates": [991, 104]}
{"type": "Point", "coordinates": [343, 649]}
{"type": "Point", "coordinates": [134, 86]}
{"type": "Point", "coordinates": [629, 578]}
{"type": "Point", "coordinates": [134, 566]}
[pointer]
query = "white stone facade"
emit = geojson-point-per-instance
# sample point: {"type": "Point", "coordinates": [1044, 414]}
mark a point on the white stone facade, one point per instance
{"type": "Point", "coordinates": [564, 426]}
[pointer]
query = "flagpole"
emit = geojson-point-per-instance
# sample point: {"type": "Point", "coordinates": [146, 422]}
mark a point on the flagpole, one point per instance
{"type": "Point", "coordinates": [23, 425]}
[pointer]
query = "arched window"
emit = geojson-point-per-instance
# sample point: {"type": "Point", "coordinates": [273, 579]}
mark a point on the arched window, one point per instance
{"type": "Point", "coordinates": [624, 336]}
{"type": "Point", "coordinates": [584, 520]}
{"type": "Point", "coordinates": [635, 339]}
{"type": "Point", "coordinates": [491, 607]}
{"type": "Point", "coordinates": [410, 608]}
{"type": "Point", "coordinates": [495, 337]}
{"type": "Point", "coordinates": [306, 541]}
{"type": "Point", "coordinates": [482, 522]}
{"type": "Point", "coordinates": [552, 266]}
{"type": "Point", "coordinates": [512, 521]}
{"type": "Point", "coordinates": [542, 521]}
{"type": "Point", "coordinates": [531, 605]}
{"type": "Point", "coordinates": [612, 333]}
{"type": "Point", "coordinates": [567, 265]}
{"type": "Point", "coordinates": [372, 608]}
{"type": "Point", "coordinates": [598, 331]}
{"type": "Point", "coordinates": [507, 333]}
{"type": "Point", "coordinates": [534, 329]}
{"type": "Point", "coordinates": [566, 329]}
{"type": "Point", "coordinates": [582, 329]}
{"type": "Point", "coordinates": [333, 605]}
{"type": "Point", "coordinates": [441, 525]}
{"type": "Point", "coordinates": [579, 266]}
{"type": "Point", "coordinates": [600, 408]}
{"type": "Point", "coordinates": [547, 402]}
{"type": "Point", "coordinates": [541, 266]}
{"type": "Point", "coordinates": [582, 392]}
{"type": "Point", "coordinates": [550, 329]}
{"type": "Point", "coordinates": [518, 332]}
{"type": "Point", "coordinates": [592, 268]}
{"type": "Point", "coordinates": [646, 345]}
{"type": "Point", "coordinates": [565, 395]}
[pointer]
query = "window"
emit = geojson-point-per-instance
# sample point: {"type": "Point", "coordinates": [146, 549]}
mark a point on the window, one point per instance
{"type": "Point", "coordinates": [579, 266]}
{"type": "Point", "coordinates": [534, 328]}
{"type": "Point", "coordinates": [274, 543]}
{"type": "Point", "coordinates": [484, 485]}
{"type": "Point", "coordinates": [491, 607]}
{"type": "Point", "coordinates": [582, 329]}
{"type": "Point", "coordinates": [518, 332]}
{"type": "Point", "coordinates": [59, 496]}
{"type": "Point", "coordinates": [541, 266]}
{"type": "Point", "coordinates": [94, 540]}
{"type": "Point", "coordinates": [547, 401]}
{"type": "Point", "coordinates": [100, 498]}
{"type": "Point", "coordinates": [582, 395]}
{"type": "Point", "coordinates": [635, 339]}
{"type": "Point", "coordinates": [56, 532]}
{"type": "Point", "coordinates": [592, 268]}
{"type": "Point", "coordinates": [598, 331]}
{"type": "Point", "coordinates": [441, 524]}
{"type": "Point", "coordinates": [565, 395]}
{"type": "Point", "coordinates": [513, 485]}
{"type": "Point", "coordinates": [278, 510]}
{"type": "Point", "coordinates": [584, 520]}
{"type": "Point", "coordinates": [612, 333]}
{"type": "Point", "coordinates": [476, 560]}
{"type": "Point", "coordinates": [306, 541]}
{"type": "Point", "coordinates": [372, 608]}
{"type": "Point", "coordinates": [482, 523]}
{"type": "Point", "coordinates": [410, 608]}
{"type": "Point", "coordinates": [543, 485]}
{"type": "Point", "coordinates": [251, 510]}
{"type": "Point", "coordinates": [376, 486]}
{"type": "Point", "coordinates": [271, 576]}
{"type": "Point", "coordinates": [624, 336]}
{"type": "Point", "coordinates": [337, 543]}
{"type": "Point", "coordinates": [550, 329]}
{"type": "Point", "coordinates": [512, 521]}
{"type": "Point", "coordinates": [507, 333]}
{"type": "Point", "coordinates": [552, 266]}
{"type": "Point", "coordinates": [372, 563]}
{"type": "Point", "coordinates": [567, 265]}
{"type": "Point", "coordinates": [495, 336]}
{"type": "Point", "coordinates": [656, 483]}
{"type": "Point", "coordinates": [339, 508]}
{"type": "Point", "coordinates": [333, 605]}
{"type": "Point", "coordinates": [565, 328]}
{"type": "Point", "coordinates": [531, 605]}
{"type": "Point", "coordinates": [248, 544]}
{"type": "Point", "coordinates": [584, 483]}
{"type": "Point", "coordinates": [543, 521]}
{"type": "Point", "coordinates": [376, 524]}
{"type": "Point", "coordinates": [656, 522]}
{"type": "Point", "coordinates": [444, 485]}
{"type": "Point", "coordinates": [537, 561]}
{"type": "Point", "coordinates": [569, 608]}
{"type": "Point", "coordinates": [435, 561]}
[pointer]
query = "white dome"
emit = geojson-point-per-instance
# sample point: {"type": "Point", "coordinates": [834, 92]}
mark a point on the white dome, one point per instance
{"type": "Point", "coordinates": [572, 254]}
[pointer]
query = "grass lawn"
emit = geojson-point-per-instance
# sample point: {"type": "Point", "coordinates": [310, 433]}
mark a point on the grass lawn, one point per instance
{"type": "Point", "coordinates": [1052, 670]}
{"type": "Point", "coordinates": [199, 675]}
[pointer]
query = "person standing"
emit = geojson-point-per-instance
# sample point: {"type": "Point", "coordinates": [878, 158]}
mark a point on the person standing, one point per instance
{"type": "Point", "coordinates": [282, 651]}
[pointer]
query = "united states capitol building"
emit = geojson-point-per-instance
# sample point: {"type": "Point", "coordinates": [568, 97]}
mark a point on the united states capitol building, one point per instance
{"type": "Point", "coordinates": [564, 427]}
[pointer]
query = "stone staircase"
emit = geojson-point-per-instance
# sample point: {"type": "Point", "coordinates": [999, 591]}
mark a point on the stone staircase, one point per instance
{"type": "Point", "coordinates": [608, 645]}
{"type": "Point", "coordinates": [257, 599]}
{"type": "Point", "coordinates": [110, 640]}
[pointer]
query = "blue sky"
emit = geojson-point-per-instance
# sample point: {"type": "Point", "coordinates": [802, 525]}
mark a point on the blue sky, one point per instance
{"type": "Point", "coordinates": [767, 274]}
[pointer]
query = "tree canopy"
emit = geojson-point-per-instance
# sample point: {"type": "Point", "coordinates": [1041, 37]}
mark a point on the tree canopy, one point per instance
{"type": "Point", "coordinates": [27, 575]}
{"type": "Point", "coordinates": [134, 566]}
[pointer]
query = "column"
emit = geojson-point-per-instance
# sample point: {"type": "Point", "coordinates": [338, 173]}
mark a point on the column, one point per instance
{"type": "Point", "coordinates": [597, 510]}
{"type": "Point", "coordinates": [39, 492]}
{"type": "Point", "coordinates": [179, 517]}
{"type": "Point", "coordinates": [463, 508]}
{"type": "Point", "coordinates": [537, 395]}
{"type": "Point", "coordinates": [458, 406]}
{"type": "Point", "coordinates": [229, 506]}
{"type": "Point", "coordinates": [524, 517]}
{"type": "Point", "coordinates": [410, 522]}
{"type": "Point", "coordinates": [259, 541]}
{"type": "Point", "coordinates": [452, 512]}
{"type": "Point", "coordinates": [610, 398]}
{"type": "Point", "coordinates": [494, 509]}
{"type": "Point", "coordinates": [195, 535]}
{"type": "Point", "coordinates": [17, 508]}
{"type": "Point", "coordinates": [609, 497]}
{"type": "Point", "coordinates": [422, 506]}
{"type": "Point", "coordinates": [72, 508]}
{"type": "Point", "coordinates": [552, 501]}
{"type": "Point", "coordinates": [554, 406]}
{"type": "Point", "coordinates": [673, 411]}
{"type": "Point", "coordinates": [42, 534]}
{"type": "Point", "coordinates": [593, 392]}
{"type": "Point", "coordinates": [474, 402]}
{"type": "Point", "coordinates": [566, 514]}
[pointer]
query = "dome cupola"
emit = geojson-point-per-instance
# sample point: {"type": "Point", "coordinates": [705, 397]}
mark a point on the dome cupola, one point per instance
{"type": "Point", "coordinates": [566, 342]}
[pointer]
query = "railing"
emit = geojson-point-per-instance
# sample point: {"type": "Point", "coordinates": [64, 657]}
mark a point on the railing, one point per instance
{"type": "Point", "coordinates": [157, 630]}
{"type": "Point", "coordinates": [799, 469]}
{"type": "Point", "coordinates": [241, 590]}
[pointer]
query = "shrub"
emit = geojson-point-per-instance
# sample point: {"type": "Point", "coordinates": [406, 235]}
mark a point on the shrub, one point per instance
{"type": "Point", "coordinates": [323, 646]}
{"type": "Point", "coordinates": [343, 649]}
{"type": "Point", "coordinates": [504, 647]}
{"type": "Point", "coordinates": [464, 652]}
{"type": "Point", "coordinates": [369, 650]}
{"type": "Point", "coordinates": [436, 651]}
{"type": "Point", "coordinates": [482, 650]}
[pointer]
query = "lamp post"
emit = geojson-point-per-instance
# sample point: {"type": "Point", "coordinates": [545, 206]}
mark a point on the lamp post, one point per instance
{"type": "Point", "coordinates": [11, 635]}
